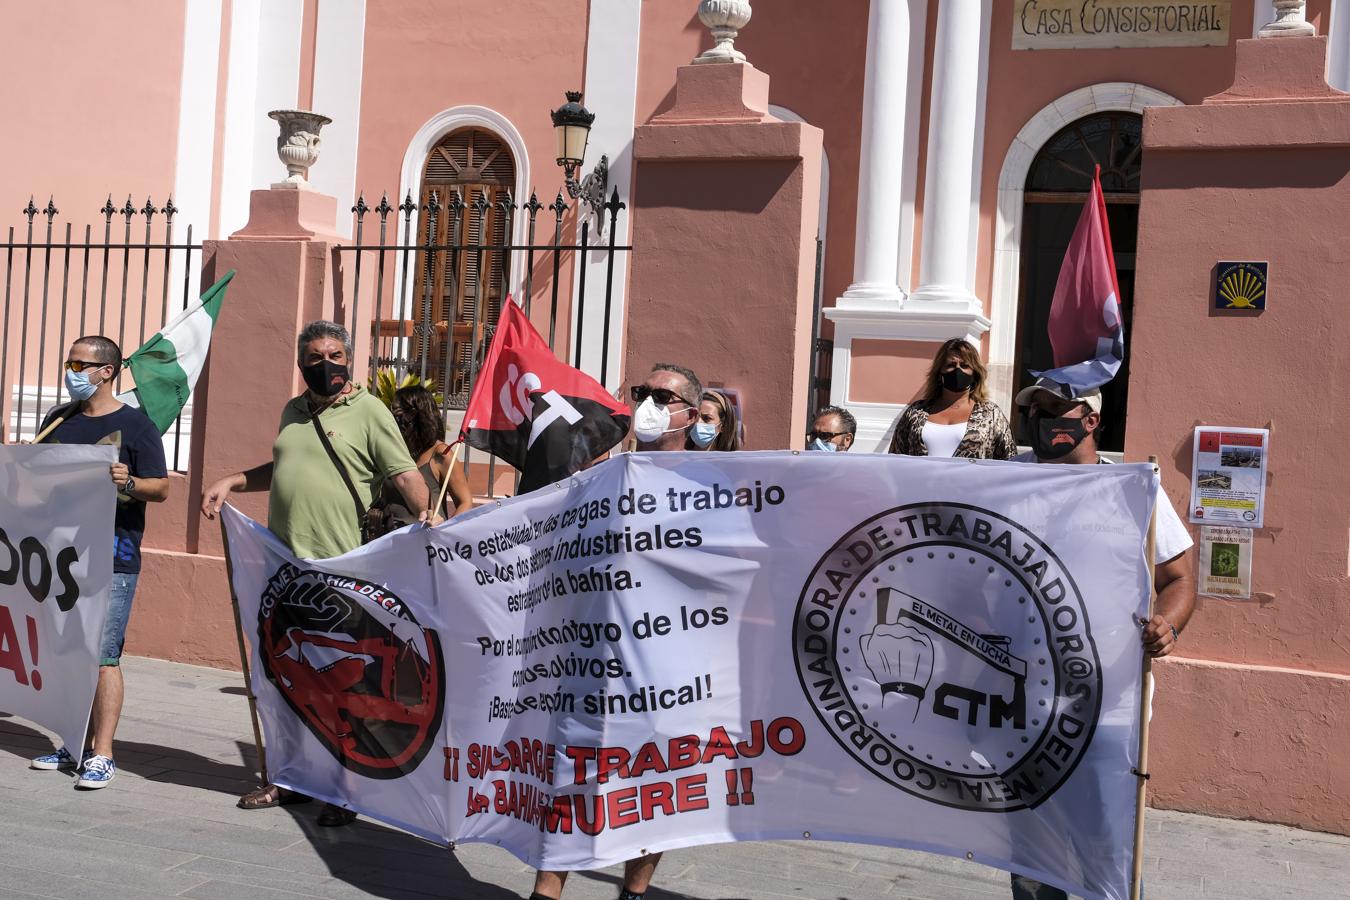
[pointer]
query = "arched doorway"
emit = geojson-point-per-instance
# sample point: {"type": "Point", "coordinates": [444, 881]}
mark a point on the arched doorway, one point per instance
{"type": "Point", "coordinates": [1056, 187]}
{"type": "Point", "coordinates": [460, 294]}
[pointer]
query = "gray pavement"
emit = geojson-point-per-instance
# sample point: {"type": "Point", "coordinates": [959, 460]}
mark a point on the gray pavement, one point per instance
{"type": "Point", "coordinates": [168, 827]}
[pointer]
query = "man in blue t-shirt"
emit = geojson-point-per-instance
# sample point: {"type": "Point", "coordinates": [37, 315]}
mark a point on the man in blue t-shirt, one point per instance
{"type": "Point", "coordinates": [95, 416]}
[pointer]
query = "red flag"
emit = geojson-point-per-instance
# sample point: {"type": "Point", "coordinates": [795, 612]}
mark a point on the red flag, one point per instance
{"type": "Point", "coordinates": [1085, 327]}
{"type": "Point", "coordinates": [538, 414]}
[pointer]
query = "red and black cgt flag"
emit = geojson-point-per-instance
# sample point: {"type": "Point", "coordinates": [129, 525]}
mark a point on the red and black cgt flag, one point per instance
{"type": "Point", "coordinates": [538, 414]}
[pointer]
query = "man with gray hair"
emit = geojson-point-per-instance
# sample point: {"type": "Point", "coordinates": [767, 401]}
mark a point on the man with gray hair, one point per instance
{"type": "Point", "coordinates": [335, 447]}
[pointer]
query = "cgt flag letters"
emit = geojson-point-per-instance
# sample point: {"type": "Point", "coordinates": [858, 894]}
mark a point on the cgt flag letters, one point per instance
{"type": "Point", "coordinates": [538, 414]}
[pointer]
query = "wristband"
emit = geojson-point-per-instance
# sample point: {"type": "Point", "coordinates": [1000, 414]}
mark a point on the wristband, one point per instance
{"type": "Point", "coordinates": [1176, 635]}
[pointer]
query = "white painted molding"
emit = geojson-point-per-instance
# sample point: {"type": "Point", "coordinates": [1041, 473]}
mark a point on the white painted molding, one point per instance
{"type": "Point", "coordinates": [194, 158]}
{"type": "Point", "coordinates": [613, 34]}
{"type": "Point", "coordinates": [1338, 53]}
{"type": "Point", "coordinates": [1007, 243]}
{"type": "Point", "coordinates": [415, 158]}
{"type": "Point", "coordinates": [339, 58]}
{"type": "Point", "coordinates": [977, 157]}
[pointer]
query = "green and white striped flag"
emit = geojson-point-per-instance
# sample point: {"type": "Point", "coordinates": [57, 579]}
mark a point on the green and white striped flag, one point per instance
{"type": "Point", "coordinates": [166, 366]}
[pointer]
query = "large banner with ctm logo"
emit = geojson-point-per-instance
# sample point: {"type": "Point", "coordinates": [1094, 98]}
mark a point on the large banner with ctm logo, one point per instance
{"type": "Point", "coordinates": [685, 648]}
{"type": "Point", "coordinates": [57, 505]}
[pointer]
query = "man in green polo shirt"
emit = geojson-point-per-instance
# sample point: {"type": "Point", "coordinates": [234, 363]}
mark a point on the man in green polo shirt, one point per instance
{"type": "Point", "coordinates": [311, 506]}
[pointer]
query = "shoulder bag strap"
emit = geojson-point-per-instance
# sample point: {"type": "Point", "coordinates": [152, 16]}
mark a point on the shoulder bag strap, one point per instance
{"type": "Point", "coordinates": [342, 470]}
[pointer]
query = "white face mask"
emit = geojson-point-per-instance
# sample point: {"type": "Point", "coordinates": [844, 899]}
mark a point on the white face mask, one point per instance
{"type": "Point", "coordinates": [827, 446]}
{"type": "Point", "coordinates": [651, 420]}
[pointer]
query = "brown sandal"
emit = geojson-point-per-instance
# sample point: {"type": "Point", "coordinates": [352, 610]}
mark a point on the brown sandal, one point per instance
{"type": "Point", "coordinates": [335, 816]}
{"type": "Point", "coordinates": [269, 795]}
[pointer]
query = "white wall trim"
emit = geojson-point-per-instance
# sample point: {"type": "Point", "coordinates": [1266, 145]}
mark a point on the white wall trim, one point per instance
{"type": "Point", "coordinates": [1007, 243]}
{"type": "Point", "coordinates": [1338, 53]}
{"type": "Point", "coordinates": [414, 160]}
{"type": "Point", "coordinates": [263, 75]}
{"type": "Point", "coordinates": [613, 33]}
{"type": "Point", "coordinates": [977, 157]}
{"type": "Point", "coordinates": [339, 58]}
{"type": "Point", "coordinates": [194, 157]}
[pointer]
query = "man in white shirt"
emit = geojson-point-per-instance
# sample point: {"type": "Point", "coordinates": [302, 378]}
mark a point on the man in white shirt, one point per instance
{"type": "Point", "coordinates": [1063, 426]}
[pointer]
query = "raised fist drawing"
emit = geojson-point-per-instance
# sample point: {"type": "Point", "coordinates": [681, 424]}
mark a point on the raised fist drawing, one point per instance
{"type": "Point", "coordinates": [900, 657]}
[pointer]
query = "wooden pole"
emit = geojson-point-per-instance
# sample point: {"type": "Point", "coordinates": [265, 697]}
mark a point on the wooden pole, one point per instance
{"type": "Point", "coordinates": [243, 659]}
{"type": "Point", "coordinates": [42, 435]}
{"type": "Point", "coordinates": [1145, 696]}
{"type": "Point", "coordinates": [445, 481]}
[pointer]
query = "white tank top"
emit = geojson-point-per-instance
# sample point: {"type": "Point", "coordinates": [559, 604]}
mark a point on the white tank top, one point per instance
{"type": "Point", "coordinates": [942, 440]}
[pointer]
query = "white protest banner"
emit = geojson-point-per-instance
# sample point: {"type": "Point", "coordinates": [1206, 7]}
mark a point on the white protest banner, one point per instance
{"type": "Point", "coordinates": [57, 506]}
{"type": "Point", "coordinates": [685, 648]}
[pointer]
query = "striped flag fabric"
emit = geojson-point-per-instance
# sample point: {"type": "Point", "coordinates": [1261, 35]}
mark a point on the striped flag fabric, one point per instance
{"type": "Point", "coordinates": [1085, 325]}
{"type": "Point", "coordinates": [166, 367]}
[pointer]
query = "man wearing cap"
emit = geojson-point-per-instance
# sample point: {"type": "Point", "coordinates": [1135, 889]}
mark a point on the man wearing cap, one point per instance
{"type": "Point", "coordinates": [1063, 423]}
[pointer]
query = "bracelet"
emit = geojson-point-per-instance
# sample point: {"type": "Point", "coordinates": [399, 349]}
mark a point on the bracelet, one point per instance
{"type": "Point", "coordinates": [1176, 635]}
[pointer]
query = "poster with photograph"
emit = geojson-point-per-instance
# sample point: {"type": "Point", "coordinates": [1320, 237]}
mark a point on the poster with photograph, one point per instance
{"type": "Point", "coordinates": [1226, 562]}
{"type": "Point", "coordinates": [1228, 480]}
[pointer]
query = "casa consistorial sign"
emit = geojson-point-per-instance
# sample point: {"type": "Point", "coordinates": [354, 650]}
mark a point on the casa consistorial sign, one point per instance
{"type": "Point", "coordinates": [1069, 24]}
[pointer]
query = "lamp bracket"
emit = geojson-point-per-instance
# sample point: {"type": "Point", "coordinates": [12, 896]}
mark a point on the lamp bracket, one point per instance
{"type": "Point", "coordinates": [591, 191]}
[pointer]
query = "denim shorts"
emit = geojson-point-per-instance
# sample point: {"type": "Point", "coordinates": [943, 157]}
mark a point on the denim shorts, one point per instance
{"type": "Point", "coordinates": [119, 611]}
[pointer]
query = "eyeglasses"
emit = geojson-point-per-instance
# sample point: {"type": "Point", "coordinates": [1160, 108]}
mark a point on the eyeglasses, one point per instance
{"type": "Point", "coordinates": [824, 435]}
{"type": "Point", "coordinates": [662, 396]}
{"type": "Point", "coordinates": [79, 365]}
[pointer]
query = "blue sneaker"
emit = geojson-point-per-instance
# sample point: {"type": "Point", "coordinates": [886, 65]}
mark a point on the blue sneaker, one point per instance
{"type": "Point", "coordinates": [97, 772]}
{"type": "Point", "coordinates": [61, 759]}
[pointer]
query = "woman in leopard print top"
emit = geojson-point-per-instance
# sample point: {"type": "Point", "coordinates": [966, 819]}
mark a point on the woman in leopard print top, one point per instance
{"type": "Point", "coordinates": [956, 395]}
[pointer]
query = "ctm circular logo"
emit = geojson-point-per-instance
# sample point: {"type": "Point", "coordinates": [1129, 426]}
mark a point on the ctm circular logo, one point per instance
{"type": "Point", "coordinates": [354, 665]}
{"type": "Point", "coordinates": [946, 648]}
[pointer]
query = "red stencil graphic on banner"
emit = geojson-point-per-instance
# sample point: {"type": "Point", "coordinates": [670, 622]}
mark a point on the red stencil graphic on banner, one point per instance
{"type": "Point", "coordinates": [355, 666]}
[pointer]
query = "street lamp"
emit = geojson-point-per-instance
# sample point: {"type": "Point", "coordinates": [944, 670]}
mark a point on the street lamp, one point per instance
{"type": "Point", "coordinates": [571, 132]}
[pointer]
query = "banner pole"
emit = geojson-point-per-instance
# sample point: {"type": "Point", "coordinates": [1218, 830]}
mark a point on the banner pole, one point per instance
{"type": "Point", "coordinates": [243, 659]}
{"type": "Point", "coordinates": [445, 481]}
{"type": "Point", "coordinates": [1145, 695]}
{"type": "Point", "coordinates": [42, 435]}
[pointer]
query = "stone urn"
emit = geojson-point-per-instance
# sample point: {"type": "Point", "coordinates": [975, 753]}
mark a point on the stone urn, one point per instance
{"type": "Point", "coordinates": [298, 144]}
{"type": "Point", "coordinates": [725, 19]}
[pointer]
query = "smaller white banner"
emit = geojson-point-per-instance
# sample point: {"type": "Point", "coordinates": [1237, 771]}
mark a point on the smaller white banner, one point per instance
{"type": "Point", "coordinates": [57, 506]}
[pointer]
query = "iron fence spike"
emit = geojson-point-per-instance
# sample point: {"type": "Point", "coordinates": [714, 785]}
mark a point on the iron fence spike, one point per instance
{"type": "Point", "coordinates": [30, 210]}
{"type": "Point", "coordinates": [169, 209]}
{"type": "Point", "coordinates": [384, 208]}
{"type": "Point", "coordinates": [148, 210]}
{"type": "Point", "coordinates": [108, 209]}
{"type": "Point", "coordinates": [360, 208]}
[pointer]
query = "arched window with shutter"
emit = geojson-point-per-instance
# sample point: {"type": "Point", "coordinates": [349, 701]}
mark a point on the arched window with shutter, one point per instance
{"type": "Point", "coordinates": [456, 303]}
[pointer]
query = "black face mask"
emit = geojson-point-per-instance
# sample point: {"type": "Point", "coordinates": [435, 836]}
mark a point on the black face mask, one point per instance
{"type": "Point", "coordinates": [957, 380]}
{"type": "Point", "coordinates": [1056, 437]}
{"type": "Point", "coordinates": [325, 378]}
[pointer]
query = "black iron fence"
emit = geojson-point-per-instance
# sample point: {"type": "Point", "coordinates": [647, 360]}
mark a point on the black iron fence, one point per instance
{"type": "Point", "coordinates": [438, 272]}
{"type": "Point", "coordinates": [120, 280]}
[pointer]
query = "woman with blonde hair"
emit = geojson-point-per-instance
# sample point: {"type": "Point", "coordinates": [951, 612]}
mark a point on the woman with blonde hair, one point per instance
{"type": "Point", "coordinates": [955, 416]}
{"type": "Point", "coordinates": [718, 427]}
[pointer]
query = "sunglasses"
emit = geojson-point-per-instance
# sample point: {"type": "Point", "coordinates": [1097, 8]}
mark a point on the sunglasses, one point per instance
{"type": "Point", "coordinates": [662, 396]}
{"type": "Point", "coordinates": [79, 365]}
{"type": "Point", "coordinates": [824, 435]}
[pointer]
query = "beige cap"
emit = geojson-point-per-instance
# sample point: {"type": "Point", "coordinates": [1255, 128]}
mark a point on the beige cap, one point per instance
{"type": "Point", "coordinates": [1092, 397]}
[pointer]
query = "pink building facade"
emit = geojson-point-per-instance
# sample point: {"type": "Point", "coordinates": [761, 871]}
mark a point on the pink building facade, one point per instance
{"type": "Point", "coordinates": [954, 139]}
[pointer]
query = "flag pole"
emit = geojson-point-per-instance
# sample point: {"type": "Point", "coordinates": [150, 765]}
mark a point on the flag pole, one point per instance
{"type": "Point", "coordinates": [243, 660]}
{"type": "Point", "coordinates": [1141, 772]}
{"type": "Point", "coordinates": [42, 435]}
{"type": "Point", "coordinates": [445, 481]}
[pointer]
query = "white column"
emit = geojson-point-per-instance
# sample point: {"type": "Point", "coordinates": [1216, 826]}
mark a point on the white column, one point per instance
{"type": "Point", "coordinates": [944, 279]}
{"type": "Point", "coordinates": [880, 173]}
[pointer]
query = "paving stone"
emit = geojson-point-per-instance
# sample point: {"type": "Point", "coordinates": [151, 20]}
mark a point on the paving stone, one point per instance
{"type": "Point", "coordinates": [169, 826]}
